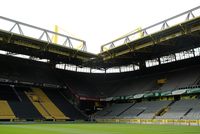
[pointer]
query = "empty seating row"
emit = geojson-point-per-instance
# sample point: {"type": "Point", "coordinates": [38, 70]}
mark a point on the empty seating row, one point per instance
{"type": "Point", "coordinates": [114, 111]}
{"type": "Point", "coordinates": [24, 103]}
{"type": "Point", "coordinates": [145, 109]}
{"type": "Point", "coordinates": [44, 105]}
{"type": "Point", "coordinates": [59, 99]}
{"type": "Point", "coordinates": [181, 109]}
{"type": "Point", "coordinates": [5, 111]}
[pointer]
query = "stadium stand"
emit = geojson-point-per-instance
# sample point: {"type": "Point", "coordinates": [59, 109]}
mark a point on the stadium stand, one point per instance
{"type": "Point", "coordinates": [144, 109]}
{"type": "Point", "coordinates": [175, 79]}
{"type": "Point", "coordinates": [43, 102]}
{"type": "Point", "coordinates": [41, 74]}
{"type": "Point", "coordinates": [23, 108]}
{"type": "Point", "coordinates": [180, 109]}
{"type": "Point", "coordinates": [194, 113]}
{"type": "Point", "coordinates": [84, 84]}
{"type": "Point", "coordinates": [34, 99]}
{"type": "Point", "coordinates": [61, 101]}
{"type": "Point", "coordinates": [5, 111]}
{"type": "Point", "coordinates": [152, 108]}
{"type": "Point", "coordinates": [164, 68]}
{"type": "Point", "coordinates": [8, 93]}
{"type": "Point", "coordinates": [136, 85]}
{"type": "Point", "coordinates": [181, 78]}
{"type": "Point", "coordinates": [114, 111]}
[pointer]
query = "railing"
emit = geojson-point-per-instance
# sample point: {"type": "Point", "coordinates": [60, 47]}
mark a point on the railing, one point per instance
{"type": "Point", "coordinates": [187, 15]}
{"type": "Point", "coordinates": [38, 33]}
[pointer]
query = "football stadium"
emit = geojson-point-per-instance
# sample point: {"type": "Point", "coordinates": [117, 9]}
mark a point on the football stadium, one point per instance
{"type": "Point", "coordinates": [146, 82]}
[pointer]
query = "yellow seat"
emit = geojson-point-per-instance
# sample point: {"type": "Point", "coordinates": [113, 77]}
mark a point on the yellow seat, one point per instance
{"type": "Point", "coordinates": [44, 105]}
{"type": "Point", "coordinates": [6, 111]}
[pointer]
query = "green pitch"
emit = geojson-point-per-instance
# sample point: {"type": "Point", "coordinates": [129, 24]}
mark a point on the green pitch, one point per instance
{"type": "Point", "coordinates": [97, 129]}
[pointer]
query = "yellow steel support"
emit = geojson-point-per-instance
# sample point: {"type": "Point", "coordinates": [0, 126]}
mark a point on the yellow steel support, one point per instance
{"type": "Point", "coordinates": [55, 37]}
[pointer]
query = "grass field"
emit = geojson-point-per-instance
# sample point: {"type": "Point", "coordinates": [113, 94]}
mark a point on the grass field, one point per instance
{"type": "Point", "coordinates": [97, 129]}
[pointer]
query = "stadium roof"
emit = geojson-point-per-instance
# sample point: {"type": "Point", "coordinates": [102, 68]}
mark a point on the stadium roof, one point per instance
{"type": "Point", "coordinates": [181, 37]}
{"type": "Point", "coordinates": [165, 41]}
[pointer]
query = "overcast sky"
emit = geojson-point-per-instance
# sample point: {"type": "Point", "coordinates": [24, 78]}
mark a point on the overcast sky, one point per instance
{"type": "Point", "coordinates": [95, 21]}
